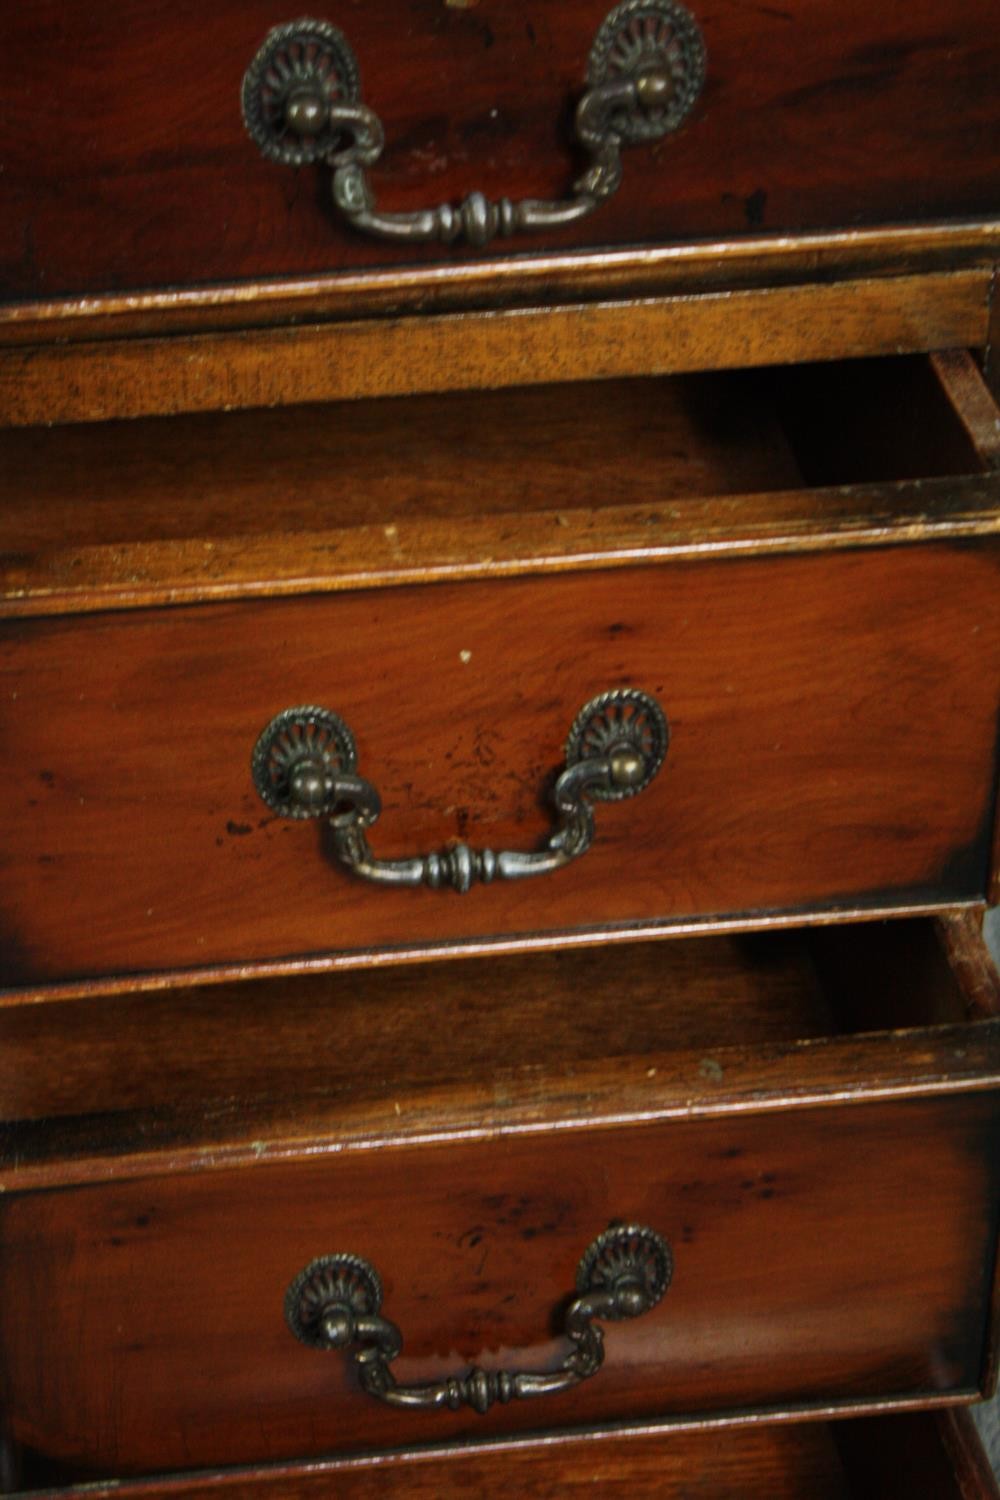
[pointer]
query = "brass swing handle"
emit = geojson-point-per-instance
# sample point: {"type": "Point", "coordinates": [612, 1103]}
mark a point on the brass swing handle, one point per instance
{"type": "Point", "coordinates": [304, 766]}
{"type": "Point", "coordinates": [302, 104]}
{"type": "Point", "coordinates": [334, 1303]}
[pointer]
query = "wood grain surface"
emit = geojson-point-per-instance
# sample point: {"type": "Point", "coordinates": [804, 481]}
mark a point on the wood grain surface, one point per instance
{"type": "Point", "coordinates": [190, 1049]}
{"type": "Point", "coordinates": [462, 285]}
{"type": "Point", "coordinates": [116, 575]}
{"type": "Point", "coordinates": [318, 468]}
{"type": "Point", "coordinates": [512, 453]}
{"type": "Point", "coordinates": [936, 1457]}
{"type": "Point", "coordinates": [834, 743]}
{"type": "Point", "coordinates": [766, 1462]}
{"type": "Point", "coordinates": [836, 114]}
{"type": "Point", "coordinates": [125, 1085]}
{"type": "Point", "coordinates": [820, 1254]}
{"type": "Point", "coordinates": [536, 1031]}
{"type": "Point", "coordinates": [132, 377]}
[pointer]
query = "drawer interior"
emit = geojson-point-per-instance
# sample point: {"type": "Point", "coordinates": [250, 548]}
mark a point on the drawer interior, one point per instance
{"type": "Point", "coordinates": [920, 1456]}
{"type": "Point", "coordinates": [373, 1045]}
{"type": "Point", "coordinates": [565, 448]}
{"type": "Point", "coordinates": [173, 1160]}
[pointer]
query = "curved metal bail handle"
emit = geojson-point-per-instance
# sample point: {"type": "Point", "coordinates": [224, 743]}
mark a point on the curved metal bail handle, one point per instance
{"type": "Point", "coordinates": [460, 866]}
{"type": "Point", "coordinates": [478, 219]}
{"type": "Point", "coordinates": [301, 103]}
{"type": "Point", "coordinates": [304, 766]}
{"type": "Point", "coordinates": [334, 1303]}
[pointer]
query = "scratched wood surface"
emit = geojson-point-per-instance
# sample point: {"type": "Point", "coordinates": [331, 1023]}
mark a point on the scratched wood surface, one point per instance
{"type": "Point", "coordinates": [177, 1055]}
{"type": "Point", "coordinates": [368, 463]}
{"type": "Point", "coordinates": [834, 743]}
{"type": "Point", "coordinates": [832, 113]}
{"type": "Point", "coordinates": [106, 379]}
{"type": "Point", "coordinates": [841, 1252]}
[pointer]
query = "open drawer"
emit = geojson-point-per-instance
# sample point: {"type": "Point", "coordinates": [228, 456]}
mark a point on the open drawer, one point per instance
{"type": "Point", "coordinates": [918, 1456]}
{"type": "Point", "coordinates": [182, 1202]}
{"type": "Point", "coordinates": [800, 568]}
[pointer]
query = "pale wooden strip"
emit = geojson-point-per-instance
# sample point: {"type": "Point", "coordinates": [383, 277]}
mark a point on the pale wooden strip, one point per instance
{"type": "Point", "coordinates": [966, 389]}
{"type": "Point", "coordinates": [495, 281]}
{"type": "Point", "coordinates": [85, 579]}
{"type": "Point", "coordinates": [487, 350]}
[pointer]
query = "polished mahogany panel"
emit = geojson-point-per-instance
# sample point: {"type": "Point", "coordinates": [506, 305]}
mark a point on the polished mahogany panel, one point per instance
{"type": "Point", "coordinates": [836, 1252]}
{"type": "Point", "coordinates": [126, 164]}
{"type": "Point", "coordinates": [833, 743]}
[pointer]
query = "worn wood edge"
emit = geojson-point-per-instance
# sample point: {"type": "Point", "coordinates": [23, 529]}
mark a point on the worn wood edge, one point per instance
{"type": "Point", "coordinates": [965, 387]}
{"type": "Point", "coordinates": [991, 351]}
{"type": "Point", "coordinates": [496, 281]}
{"type": "Point", "coordinates": [990, 1375]}
{"type": "Point", "coordinates": [100, 380]}
{"type": "Point", "coordinates": [288, 1481]}
{"type": "Point", "coordinates": [972, 963]}
{"type": "Point", "coordinates": [110, 985]}
{"type": "Point", "coordinates": [973, 1475]}
{"type": "Point", "coordinates": [970, 960]}
{"type": "Point", "coordinates": [816, 1073]}
{"type": "Point", "coordinates": [135, 575]}
{"type": "Point", "coordinates": [991, 1350]}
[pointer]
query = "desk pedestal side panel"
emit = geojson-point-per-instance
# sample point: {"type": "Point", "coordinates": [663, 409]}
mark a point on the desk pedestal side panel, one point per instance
{"type": "Point", "coordinates": [833, 722]}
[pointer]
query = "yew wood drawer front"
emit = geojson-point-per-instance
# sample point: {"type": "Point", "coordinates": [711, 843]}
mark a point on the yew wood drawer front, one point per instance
{"type": "Point", "coordinates": [155, 183]}
{"type": "Point", "coordinates": [832, 743]}
{"type": "Point", "coordinates": [826, 1197]}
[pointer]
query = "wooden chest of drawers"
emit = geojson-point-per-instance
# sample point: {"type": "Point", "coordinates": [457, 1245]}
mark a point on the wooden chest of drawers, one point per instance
{"type": "Point", "coordinates": [500, 753]}
{"type": "Point", "coordinates": [192, 1169]}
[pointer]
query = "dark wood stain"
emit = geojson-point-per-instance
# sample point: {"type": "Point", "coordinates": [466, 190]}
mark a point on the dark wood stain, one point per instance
{"type": "Point", "coordinates": [173, 1286]}
{"type": "Point", "coordinates": [834, 735]}
{"type": "Point", "coordinates": [152, 182]}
